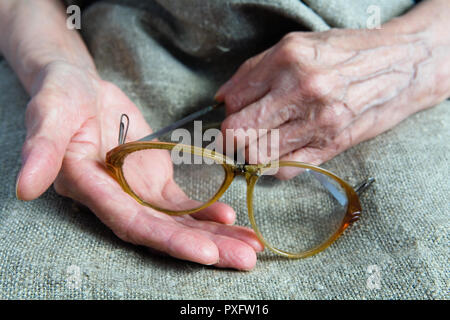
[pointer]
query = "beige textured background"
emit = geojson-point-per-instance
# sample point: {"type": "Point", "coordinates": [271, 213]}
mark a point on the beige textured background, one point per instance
{"type": "Point", "coordinates": [404, 229]}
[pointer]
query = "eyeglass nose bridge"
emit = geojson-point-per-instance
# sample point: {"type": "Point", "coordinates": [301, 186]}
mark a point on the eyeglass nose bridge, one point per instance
{"type": "Point", "coordinates": [246, 170]}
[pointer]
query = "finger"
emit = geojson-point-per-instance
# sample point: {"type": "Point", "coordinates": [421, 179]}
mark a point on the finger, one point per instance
{"type": "Point", "coordinates": [270, 112]}
{"type": "Point", "coordinates": [279, 142]}
{"type": "Point", "coordinates": [174, 239]}
{"type": "Point", "coordinates": [149, 173]}
{"type": "Point", "coordinates": [50, 126]}
{"type": "Point", "coordinates": [141, 225]}
{"type": "Point", "coordinates": [235, 244]}
{"type": "Point", "coordinates": [133, 222]}
{"type": "Point", "coordinates": [254, 85]}
{"type": "Point", "coordinates": [328, 146]}
{"type": "Point", "coordinates": [218, 212]}
{"type": "Point", "coordinates": [236, 232]}
{"type": "Point", "coordinates": [247, 66]}
{"type": "Point", "coordinates": [172, 197]}
{"type": "Point", "coordinates": [191, 243]}
{"type": "Point", "coordinates": [234, 253]}
{"type": "Point", "coordinates": [246, 91]}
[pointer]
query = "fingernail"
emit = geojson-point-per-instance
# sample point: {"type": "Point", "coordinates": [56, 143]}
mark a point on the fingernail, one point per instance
{"type": "Point", "coordinates": [25, 156]}
{"type": "Point", "coordinates": [214, 263]}
{"type": "Point", "coordinates": [17, 185]}
{"type": "Point", "coordinates": [259, 247]}
{"type": "Point", "coordinates": [218, 97]}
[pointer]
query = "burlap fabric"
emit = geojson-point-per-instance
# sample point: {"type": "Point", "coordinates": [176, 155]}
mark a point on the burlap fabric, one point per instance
{"type": "Point", "coordinates": [169, 57]}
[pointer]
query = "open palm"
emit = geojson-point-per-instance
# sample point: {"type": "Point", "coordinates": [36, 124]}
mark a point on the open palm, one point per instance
{"type": "Point", "coordinates": [72, 121]}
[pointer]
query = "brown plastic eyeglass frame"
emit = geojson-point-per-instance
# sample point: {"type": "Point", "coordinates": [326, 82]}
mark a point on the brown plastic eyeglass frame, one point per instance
{"type": "Point", "coordinates": [116, 157]}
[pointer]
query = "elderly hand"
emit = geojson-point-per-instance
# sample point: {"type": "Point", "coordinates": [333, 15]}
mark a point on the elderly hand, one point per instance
{"type": "Point", "coordinates": [328, 91]}
{"type": "Point", "coordinates": [72, 121]}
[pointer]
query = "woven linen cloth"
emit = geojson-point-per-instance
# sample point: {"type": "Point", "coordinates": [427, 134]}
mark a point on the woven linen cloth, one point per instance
{"type": "Point", "coordinates": [169, 57]}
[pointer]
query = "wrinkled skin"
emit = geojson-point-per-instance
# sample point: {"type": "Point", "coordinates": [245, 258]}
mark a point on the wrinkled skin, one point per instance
{"type": "Point", "coordinates": [326, 92]}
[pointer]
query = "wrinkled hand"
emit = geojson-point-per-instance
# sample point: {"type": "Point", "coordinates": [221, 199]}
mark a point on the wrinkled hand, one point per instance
{"type": "Point", "coordinates": [328, 91]}
{"type": "Point", "coordinates": [72, 121]}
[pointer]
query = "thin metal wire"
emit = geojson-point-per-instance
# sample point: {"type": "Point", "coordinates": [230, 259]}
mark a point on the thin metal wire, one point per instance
{"type": "Point", "coordinates": [180, 122]}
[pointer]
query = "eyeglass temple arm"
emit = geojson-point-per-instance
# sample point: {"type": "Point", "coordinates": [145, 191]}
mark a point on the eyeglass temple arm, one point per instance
{"type": "Point", "coordinates": [123, 129]}
{"type": "Point", "coordinates": [180, 122]}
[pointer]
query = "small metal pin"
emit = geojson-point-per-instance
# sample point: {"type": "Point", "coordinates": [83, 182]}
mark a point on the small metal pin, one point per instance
{"type": "Point", "coordinates": [123, 128]}
{"type": "Point", "coordinates": [361, 187]}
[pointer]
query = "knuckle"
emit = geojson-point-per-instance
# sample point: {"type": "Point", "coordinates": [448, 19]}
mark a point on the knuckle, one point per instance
{"type": "Point", "coordinates": [43, 106]}
{"type": "Point", "coordinates": [288, 52]}
{"type": "Point", "coordinates": [248, 64]}
{"type": "Point", "coordinates": [315, 85]}
{"type": "Point", "coordinates": [288, 112]}
{"type": "Point", "coordinates": [291, 37]}
{"type": "Point", "coordinates": [293, 47]}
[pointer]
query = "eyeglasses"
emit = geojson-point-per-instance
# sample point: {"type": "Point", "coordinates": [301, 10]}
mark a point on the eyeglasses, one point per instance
{"type": "Point", "coordinates": [295, 218]}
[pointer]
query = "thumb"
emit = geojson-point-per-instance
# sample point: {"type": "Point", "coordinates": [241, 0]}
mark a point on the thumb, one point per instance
{"type": "Point", "coordinates": [50, 126]}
